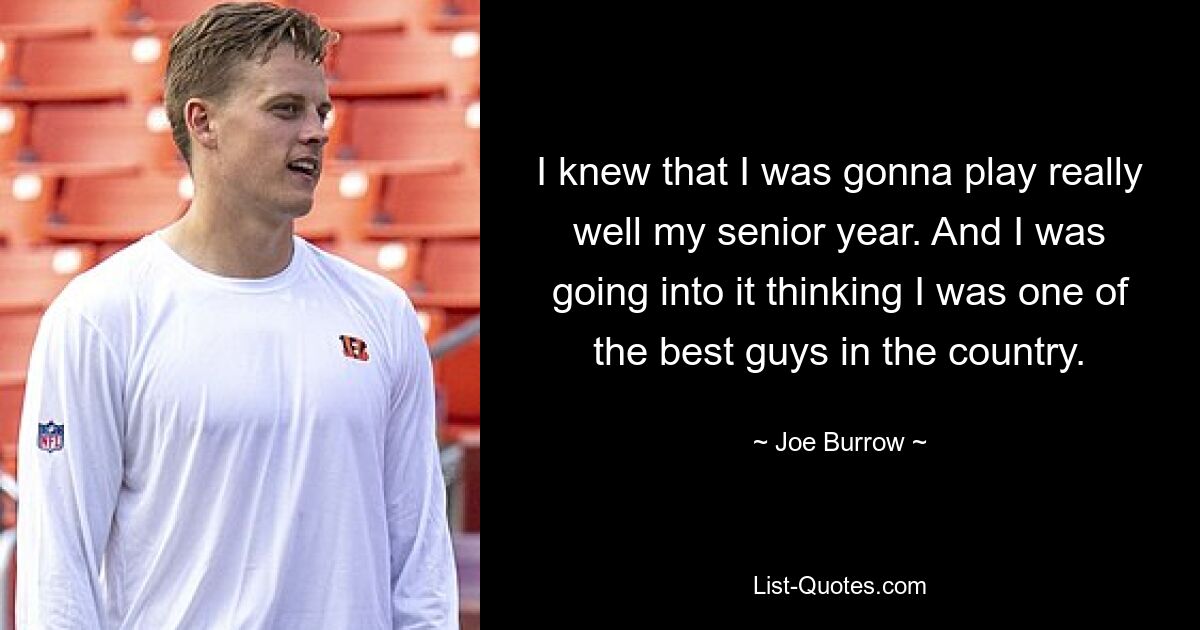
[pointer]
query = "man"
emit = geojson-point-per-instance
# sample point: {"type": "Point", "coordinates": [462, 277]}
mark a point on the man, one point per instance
{"type": "Point", "coordinates": [225, 427]}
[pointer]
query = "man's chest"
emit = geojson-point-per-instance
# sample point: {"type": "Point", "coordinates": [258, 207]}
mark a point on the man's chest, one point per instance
{"type": "Point", "coordinates": [259, 365]}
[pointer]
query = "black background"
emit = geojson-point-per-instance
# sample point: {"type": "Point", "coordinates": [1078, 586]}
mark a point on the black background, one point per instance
{"type": "Point", "coordinates": [634, 497]}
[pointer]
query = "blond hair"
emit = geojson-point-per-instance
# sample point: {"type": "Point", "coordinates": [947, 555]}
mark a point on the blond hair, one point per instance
{"type": "Point", "coordinates": [206, 53]}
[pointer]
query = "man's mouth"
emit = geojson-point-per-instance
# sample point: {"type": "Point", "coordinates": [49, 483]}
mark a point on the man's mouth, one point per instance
{"type": "Point", "coordinates": [306, 166]}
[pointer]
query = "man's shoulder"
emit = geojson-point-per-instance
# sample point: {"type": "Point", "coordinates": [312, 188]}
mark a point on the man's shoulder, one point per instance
{"type": "Point", "coordinates": [384, 306]}
{"type": "Point", "coordinates": [358, 281]}
{"type": "Point", "coordinates": [107, 288]}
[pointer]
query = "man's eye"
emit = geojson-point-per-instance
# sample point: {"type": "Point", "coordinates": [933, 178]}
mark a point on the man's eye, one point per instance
{"type": "Point", "coordinates": [290, 109]}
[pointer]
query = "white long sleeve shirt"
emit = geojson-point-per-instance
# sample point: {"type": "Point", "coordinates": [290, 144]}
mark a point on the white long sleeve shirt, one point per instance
{"type": "Point", "coordinates": [206, 452]}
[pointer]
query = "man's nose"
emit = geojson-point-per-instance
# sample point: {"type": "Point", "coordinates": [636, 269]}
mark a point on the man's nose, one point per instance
{"type": "Point", "coordinates": [314, 131]}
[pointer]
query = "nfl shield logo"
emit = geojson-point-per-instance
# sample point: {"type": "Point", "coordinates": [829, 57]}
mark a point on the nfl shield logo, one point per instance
{"type": "Point", "coordinates": [50, 436]}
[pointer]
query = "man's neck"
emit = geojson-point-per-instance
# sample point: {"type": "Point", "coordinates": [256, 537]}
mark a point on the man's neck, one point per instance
{"type": "Point", "coordinates": [230, 243]}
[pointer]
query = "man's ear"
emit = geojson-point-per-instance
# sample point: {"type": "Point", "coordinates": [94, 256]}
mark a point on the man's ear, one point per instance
{"type": "Point", "coordinates": [197, 114]}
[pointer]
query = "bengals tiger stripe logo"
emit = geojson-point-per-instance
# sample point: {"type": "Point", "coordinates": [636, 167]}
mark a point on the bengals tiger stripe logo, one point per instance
{"type": "Point", "coordinates": [354, 348]}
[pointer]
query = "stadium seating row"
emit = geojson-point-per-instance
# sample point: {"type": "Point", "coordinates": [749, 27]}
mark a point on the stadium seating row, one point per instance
{"type": "Point", "coordinates": [349, 206]}
{"type": "Point", "coordinates": [377, 135]}
{"type": "Point", "coordinates": [62, 18]}
{"type": "Point", "coordinates": [87, 165]}
{"type": "Point", "coordinates": [439, 273]}
{"type": "Point", "coordinates": [131, 69]}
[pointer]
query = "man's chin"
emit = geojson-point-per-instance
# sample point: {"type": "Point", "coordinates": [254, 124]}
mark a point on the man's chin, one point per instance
{"type": "Point", "coordinates": [298, 203]}
{"type": "Point", "coordinates": [297, 209]}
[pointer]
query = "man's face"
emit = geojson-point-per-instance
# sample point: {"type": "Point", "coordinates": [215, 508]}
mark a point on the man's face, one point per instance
{"type": "Point", "coordinates": [269, 136]}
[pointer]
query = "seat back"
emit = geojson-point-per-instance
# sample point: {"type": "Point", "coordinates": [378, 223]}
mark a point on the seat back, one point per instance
{"type": "Point", "coordinates": [113, 136]}
{"type": "Point", "coordinates": [389, 63]}
{"type": "Point", "coordinates": [396, 260]}
{"type": "Point", "coordinates": [88, 69]}
{"type": "Point", "coordinates": [428, 136]}
{"type": "Point", "coordinates": [116, 207]}
{"type": "Point", "coordinates": [349, 16]}
{"type": "Point", "coordinates": [431, 204]}
{"type": "Point", "coordinates": [30, 279]}
{"type": "Point", "coordinates": [451, 267]}
{"type": "Point", "coordinates": [52, 18]}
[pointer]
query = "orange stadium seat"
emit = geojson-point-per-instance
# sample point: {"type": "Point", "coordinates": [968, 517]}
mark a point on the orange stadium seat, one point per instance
{"type": "Point", "coordinates": [335, 124]}
{"type": "Point", "coordinates": [24, 203]}
{"type": "Point", "coordinates": [12, 397]}
{"type": "Point", "coordinates": [433, 323]}
{"type": "Point", "coordinates": [6, 58]}
{"type": "Point", "coordinates": [399, 136]}
{"type": "Point", "coordinates": [87, 70]}
{"type": "Point", "coordinates": [396, 260]}
{"type": "Point", "coordinates": [31, 279]}
{"type": "Point", "coordinates": [449, 274]}
{"type": "Point", "coordinates": [162, 153]}
{"type": "Point", "coordinates": [115, 207]}
{"type": "Point", "coordinates": [9, 211]}
{"type": "Point", "coordinates": [457, 374]}
{"type": "Point", "coordinates": [52, 18]}
{"type": "Point", "coordinates": [342, 204]}
{"type": "Point", "coordinates": [349, 16]}
{"type": "Point", "coordinates": [79, 139]}
{"type": "Point", "coordinates": [451, 14]}
{"type": "Point", "coordinates": [163, 17]}
{"type": "Point", "coordinates": [429, 205]}
{"type": "Point", "coordinates": [17, 331]}
{"type": "Point", "coordinates": [14, 125]}
{"type": "Point", "coordinates": [398, 64]}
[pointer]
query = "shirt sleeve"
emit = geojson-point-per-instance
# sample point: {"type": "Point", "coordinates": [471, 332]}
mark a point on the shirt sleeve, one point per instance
{"type": "Point", "coordinates": [424, 578]}
{"type": "Point", "coordinates": [70, 471]}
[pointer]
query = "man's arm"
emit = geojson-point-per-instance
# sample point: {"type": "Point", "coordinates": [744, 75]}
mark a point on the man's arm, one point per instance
{"type": "Point", "coordinates": [424, 580]}
{"type": "Point", "coordinates": [70, 471]}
